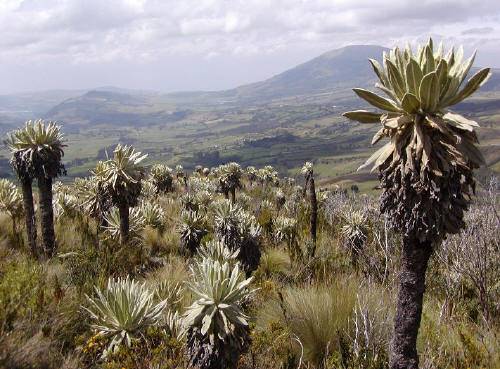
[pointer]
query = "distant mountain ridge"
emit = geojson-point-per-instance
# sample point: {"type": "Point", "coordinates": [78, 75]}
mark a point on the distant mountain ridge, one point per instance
{"type": "Point", "coordinates": [340, 68]}
{"type": "Point", "coordinates": [333, 74]}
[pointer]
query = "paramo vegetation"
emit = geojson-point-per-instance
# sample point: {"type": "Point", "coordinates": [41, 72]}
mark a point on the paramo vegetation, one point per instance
{"type": "Point", "coordinates": [146, 266]}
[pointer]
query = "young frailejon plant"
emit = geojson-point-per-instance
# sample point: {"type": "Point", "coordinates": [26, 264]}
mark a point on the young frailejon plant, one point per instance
{"type": "Point", "coordinates": [122, 311]}
{"type": "Point", "coordinates": [217, 250]}
{"type": "Point", "coordinates": [192, 230]}
{"type": "Point", "coordinates": [217, 327]}
{"type": "Point", "coordinates": [113, 224]}
{"type": "Point", "coordinates": [93, 199]}
{"type": "Point", "coordinates": [426, 168]}
{"type": "Point", "coordinates": [354, 230]}
{"type": "Point", "coordinates": [229, 177]}
{"type": "Point", "coordinates": [162, 178]}
{"type": "Point", "coordinates": [239, 230]}
{"type": "Point", "coordinates": [153, 215]}
{"type": "Point", "coordinates": [227, 219]}
{"type": "Point", "coordinates": [11, 202]}
{"type": "Point", "coordinates": [249, 247]}
{"type": "Point", "coordinates": [286, 231]}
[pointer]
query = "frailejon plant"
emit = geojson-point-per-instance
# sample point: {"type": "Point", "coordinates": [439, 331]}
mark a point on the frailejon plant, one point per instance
{"type": "Point", "coordinates": [94, 202]}
{"type": "Point", "coordinates": [37, 151]}
{"type": "Point", "coordinates": [354, 230]}
{"type": "Point", "coordinates": [11, 202]}
{"type": "Point", "coordinates": [308, 172]}
{"type": "Point", "coordinates": [227, 219]}
{"type": "Point", "coordinates": [122, 311]}
{"type": "Point", "coordinates": [217, 327]}
{"type": "Point", "coordinates": [426, 168]}
{"type": "Point", "coordinates": [122, 176]}
{"type": "Point", "coordinates": [153, 215]}
{"type": "Point", "coordinates": [285, 230]}
{"type": "Point", "coordinates": [250, 241]}
{"type": "Point", "coordinates": [113, 227]}
{"type": "Point", "coordinates": [239, 230]}
{"type": "Point", "coordinates": [217, 250]}
{"type": "Point", "coordinates": [192, 229]}
{"type": "Point", "coordinates": [229, 176]}
{"type": "Point", "coordinates": [162, 178]}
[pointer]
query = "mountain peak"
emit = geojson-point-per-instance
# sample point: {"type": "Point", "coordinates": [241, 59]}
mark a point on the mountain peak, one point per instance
{"type": "Point", "coordinates": [339, 68]}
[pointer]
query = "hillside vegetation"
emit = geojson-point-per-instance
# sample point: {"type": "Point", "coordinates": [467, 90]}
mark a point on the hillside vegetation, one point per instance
{"type": "Point", "coordinates": [217, 263]}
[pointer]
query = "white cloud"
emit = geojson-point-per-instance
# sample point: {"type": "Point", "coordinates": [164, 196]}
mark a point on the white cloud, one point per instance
{"type": "Point", "coordinates": [98, 33]}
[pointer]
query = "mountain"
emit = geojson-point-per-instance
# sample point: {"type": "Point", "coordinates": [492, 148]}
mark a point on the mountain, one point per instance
{"type": "Point", "coordinates": [325, 79]}
{"type": "Point", "coordinates": [334, 70]}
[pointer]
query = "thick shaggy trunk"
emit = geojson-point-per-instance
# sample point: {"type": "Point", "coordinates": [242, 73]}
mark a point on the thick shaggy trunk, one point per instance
{"type": "Point", "coordinates": [314, 214]}
{"type": "Point", "coordinates": [233, 195]}
{"type": "Point", "coordinates": [47, 215]}
{"type": "Point", "coordinates": [124, 222]}
{"type": "Point", "coordinates": [414, 260]}
{"type": "Point", "coordinates": [29, 212]}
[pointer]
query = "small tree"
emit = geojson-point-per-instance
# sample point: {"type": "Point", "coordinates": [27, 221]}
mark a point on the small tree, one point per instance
{"type": "Point", "coordinates": [426, 170]}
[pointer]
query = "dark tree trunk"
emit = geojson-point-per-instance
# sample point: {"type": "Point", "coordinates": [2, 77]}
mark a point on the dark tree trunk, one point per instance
{"type": "Point", "coordinates": [314, 214]}
{"type": "Point", "coordinates": [29, 213]}
{"type": "Point", "coordinates": [233, 195]}
{"type": "Point", "coordinates": [47, 215]}
{"type": "Point", "coordinates": [124, 222]}
{"type": "Point", "coordinates": [414, 260]}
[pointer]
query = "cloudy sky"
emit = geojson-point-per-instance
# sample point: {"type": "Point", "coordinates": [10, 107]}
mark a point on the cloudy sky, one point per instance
{"type": "Point", "coordinates": [214, 44]}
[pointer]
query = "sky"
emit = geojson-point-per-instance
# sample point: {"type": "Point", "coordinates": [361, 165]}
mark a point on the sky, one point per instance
{"type": "Point", "coordinates": [175, 45]}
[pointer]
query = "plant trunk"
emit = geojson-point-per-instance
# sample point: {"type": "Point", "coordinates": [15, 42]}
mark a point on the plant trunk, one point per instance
{"type": "Point", "coordinates": [29, 212]}
{"type": "Point", "coordinates": [124, 222]}
{"type": "Point", "coordinates": [47, 215]}
{"type": "Point", "coordinates": [233, 195]}
{"type": "Point", "coordinates": [314, 214]}
{"type": "Point", "coordinates": [414, 260]}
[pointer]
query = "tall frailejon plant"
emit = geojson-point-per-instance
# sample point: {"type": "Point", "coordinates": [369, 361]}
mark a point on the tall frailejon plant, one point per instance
{"type": "Point", "coordinates": [122, 176]}
{"type": "Point", "coordinates": [37, 151]}
{"type": "Point", "coordinates": [426, 168]}
{"type": "Point", "coordinates": [307, 171]}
